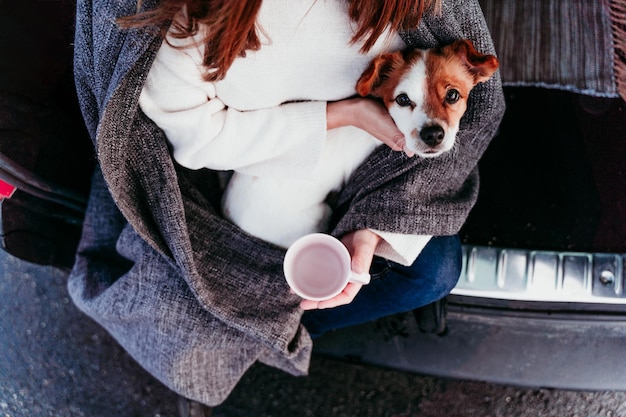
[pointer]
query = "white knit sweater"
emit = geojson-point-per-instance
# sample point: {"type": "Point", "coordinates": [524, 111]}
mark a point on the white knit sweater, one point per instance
{"type": "Point", "coordinates": [268, 116]}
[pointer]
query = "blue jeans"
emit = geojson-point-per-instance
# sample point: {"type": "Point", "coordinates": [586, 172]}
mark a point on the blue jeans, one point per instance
{"type": "Point", "coordinates": [396, 288]}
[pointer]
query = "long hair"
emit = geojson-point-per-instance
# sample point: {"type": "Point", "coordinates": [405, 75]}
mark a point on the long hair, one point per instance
{"type": "Point", "coordinates": [232, 24]}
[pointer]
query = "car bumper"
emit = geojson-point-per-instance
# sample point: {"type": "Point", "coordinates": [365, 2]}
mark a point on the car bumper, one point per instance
{"type": "Point", "coordinates": [526, 318]}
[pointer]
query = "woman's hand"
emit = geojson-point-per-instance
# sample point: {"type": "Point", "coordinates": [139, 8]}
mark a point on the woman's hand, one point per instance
{"type": "Point", "coordinates": [369, 115]}
{"type": "Point", "coordinates": [361, 244]}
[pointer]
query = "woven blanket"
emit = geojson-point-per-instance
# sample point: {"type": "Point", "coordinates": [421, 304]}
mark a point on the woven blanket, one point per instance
{"type": "Point", "coordinates": [575, 45]}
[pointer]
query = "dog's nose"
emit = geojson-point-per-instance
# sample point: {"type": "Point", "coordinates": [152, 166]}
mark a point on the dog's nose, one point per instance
{"type": "Point", "coordinates": [432, 135]}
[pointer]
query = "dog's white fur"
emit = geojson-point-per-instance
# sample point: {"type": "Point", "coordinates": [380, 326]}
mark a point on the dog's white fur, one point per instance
{"type": "Point", "coordinates": [280, 210]}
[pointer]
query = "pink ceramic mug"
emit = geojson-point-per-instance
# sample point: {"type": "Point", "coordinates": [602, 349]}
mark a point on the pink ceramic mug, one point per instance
{"type": "Point", "coordinates": [317, 267]}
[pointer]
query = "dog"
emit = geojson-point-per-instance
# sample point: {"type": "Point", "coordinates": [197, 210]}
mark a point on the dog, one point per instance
{"type": "Point", "coordinates": [425, 92]}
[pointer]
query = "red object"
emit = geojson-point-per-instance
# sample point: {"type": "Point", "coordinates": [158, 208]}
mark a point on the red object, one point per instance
{"type": "Point", "coordinates": [6, 189]}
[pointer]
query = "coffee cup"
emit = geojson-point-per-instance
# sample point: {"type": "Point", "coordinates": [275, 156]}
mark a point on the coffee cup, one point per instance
{"type": "Point", "coordinates": [317, 267]}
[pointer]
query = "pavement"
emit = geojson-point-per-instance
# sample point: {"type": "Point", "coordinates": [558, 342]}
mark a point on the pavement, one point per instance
{"type": "Point", "coordinates": [54, 361]}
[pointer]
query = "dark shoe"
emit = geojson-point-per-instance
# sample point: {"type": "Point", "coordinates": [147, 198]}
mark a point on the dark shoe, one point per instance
{"type": "Point", "coordinates": [190, 408]}
{"type": "Point", "coordinates": [432, 317]}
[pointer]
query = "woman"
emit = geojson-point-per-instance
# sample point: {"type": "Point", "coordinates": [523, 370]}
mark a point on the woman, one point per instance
{"type": "Point", "coordinates": [190, 296]}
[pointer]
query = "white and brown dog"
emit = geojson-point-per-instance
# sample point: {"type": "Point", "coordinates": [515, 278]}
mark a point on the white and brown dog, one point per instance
{"type": "Point", "coordinates": [425, 92]}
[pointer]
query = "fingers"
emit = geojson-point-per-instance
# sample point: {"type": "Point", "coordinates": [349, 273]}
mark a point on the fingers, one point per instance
{"type": "Point", "coordinates": [408, 152]}
{"type": "Point", "coordinates": [396, 143]}
{"type": "Point", "coordinates": [369, 115]}
{"type": "Point", "coordinates": [345, 297]}
{"type": "Point", "coordinates": [382, 127]}
{"type": "Point", "coordinates": [361, 244]}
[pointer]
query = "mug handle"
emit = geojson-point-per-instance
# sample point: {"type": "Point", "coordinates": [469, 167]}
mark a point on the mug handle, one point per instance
{"type": "Point", "coordinates": [360, 278]}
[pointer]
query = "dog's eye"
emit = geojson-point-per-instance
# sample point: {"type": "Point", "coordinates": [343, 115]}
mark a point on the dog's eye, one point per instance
{"type": "Point", "coordinates": [452, 96]}
{"type": "Point", "coordinates": [403, 100]}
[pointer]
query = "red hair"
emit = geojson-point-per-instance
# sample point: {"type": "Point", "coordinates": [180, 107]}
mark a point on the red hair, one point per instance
{"type": "Point", "coordinates": [232, 24]}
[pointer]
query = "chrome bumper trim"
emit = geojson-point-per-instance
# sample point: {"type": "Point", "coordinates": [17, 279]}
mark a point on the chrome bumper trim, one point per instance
{"type": "Point", "coordinates": [546, 276]}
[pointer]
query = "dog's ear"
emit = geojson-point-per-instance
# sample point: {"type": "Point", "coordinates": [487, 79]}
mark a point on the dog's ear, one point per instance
{"type": "Point", "coordinates": [377, 72]}
{"type": "Point", "coordinates": [481, 66]}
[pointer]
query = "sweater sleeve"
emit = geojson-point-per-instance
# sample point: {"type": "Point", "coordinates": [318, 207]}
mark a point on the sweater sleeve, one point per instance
{"type": "Point", "coordinates": [400, 248]}
{"type": "Point", "coordinates": [205, 132]}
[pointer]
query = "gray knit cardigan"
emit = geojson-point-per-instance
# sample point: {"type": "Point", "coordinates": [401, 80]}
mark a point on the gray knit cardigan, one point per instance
{"type": "Point", "coordinates": [191, 297]}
